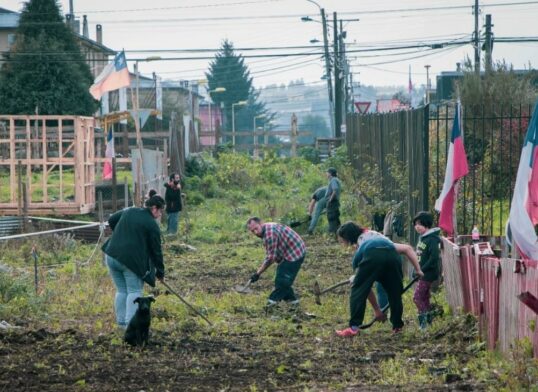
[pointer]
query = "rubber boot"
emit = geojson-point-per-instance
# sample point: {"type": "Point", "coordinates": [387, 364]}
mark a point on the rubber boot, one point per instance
{"type": "Point", "coordinates": [423, 320]}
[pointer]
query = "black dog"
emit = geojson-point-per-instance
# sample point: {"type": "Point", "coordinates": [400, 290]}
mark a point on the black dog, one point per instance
{"type": "Point", "coordinates": [137, 332]}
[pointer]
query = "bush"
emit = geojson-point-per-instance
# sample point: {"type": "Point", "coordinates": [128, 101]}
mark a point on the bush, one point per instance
{"type": "Point", "coordinates": [310, 154]}
{"type": "Point", "coordinates": [198, 165]}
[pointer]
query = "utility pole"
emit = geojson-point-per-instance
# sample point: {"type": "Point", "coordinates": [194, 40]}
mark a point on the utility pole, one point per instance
{"type": "Point", "coordinates": [488, 46]}
{"type": "Point", "coordinates": [476, 40]}
{"type": "Point", "coordinates": [345, 73]}
{"type": "Point", "coordinates": [328, 70]}
{"type": "Point", "coordinates": [337, 82]}
{"type": "Point", "coordinates": [427, 83]}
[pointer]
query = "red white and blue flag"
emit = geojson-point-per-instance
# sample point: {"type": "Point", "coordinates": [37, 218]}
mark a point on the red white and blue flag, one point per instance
{"type": "Point", "coordinates": [109, 154]}
{"type": "Point", "coordinates": [524, 209]}
{"type": "Point", "coordinates": [456, 168]}
{"type": "Point", "coordinates": [114, 76]}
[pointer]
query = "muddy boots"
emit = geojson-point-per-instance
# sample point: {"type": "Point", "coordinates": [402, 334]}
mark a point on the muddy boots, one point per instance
{"type": "Point", "coordinates": [423, 320]}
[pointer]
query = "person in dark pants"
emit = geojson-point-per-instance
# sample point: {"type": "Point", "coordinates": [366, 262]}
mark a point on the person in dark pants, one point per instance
{"type": "Point", "coordinates": [134, 255]}
{"type": "Point", "coordinates": [172, 197]}
{"type": "Point", "coordinates": [428, 251]}
{"type": "Point", "coordinates": [284, 247]}
{"type": "Point", "coordinates": [333, 200]}
{"type": "Point", "coordinates": [376, 259]}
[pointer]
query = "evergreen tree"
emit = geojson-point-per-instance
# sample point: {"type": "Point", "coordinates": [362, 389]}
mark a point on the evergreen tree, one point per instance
{"type": "Point", "coordinates": [45, 69]}
{"type": "Point", "coordinates": [228, 70]}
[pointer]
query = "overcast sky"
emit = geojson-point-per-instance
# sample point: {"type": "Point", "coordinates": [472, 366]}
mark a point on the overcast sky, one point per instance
{"type": "Point", "coordinates": [195, 24]}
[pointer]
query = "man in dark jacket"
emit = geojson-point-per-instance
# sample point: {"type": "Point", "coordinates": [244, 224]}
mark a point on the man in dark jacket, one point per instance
{"type": "Point", "coordinates": [134, 255]}
{"type": "Point", "coordinates": [172, 197]}
{"type": "Point", "coordinates": [428, 251]}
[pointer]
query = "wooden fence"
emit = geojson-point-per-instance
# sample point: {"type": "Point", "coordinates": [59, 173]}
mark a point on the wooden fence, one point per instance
{"type": "Point", "coordinates": [39, 153]}
{"type": "Point", "coordinates": [479, 283]}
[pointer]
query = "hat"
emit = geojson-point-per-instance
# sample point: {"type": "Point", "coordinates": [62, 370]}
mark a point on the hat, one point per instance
{"type": "Point", "coordinates": [332, 171]}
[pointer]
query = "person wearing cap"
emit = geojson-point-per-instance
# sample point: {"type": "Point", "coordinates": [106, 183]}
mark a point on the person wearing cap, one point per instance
{"type": "Point", "coordinates": [333, 200]}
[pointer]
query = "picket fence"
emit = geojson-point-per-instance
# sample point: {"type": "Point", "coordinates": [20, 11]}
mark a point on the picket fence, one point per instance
{"type": "Point", "coordinates": [486, 286]}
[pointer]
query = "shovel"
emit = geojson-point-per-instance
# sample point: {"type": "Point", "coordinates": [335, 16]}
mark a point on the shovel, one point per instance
{"type": "Point", "coordinates": [185, 302]}
{"type": "Point", "coordinates": [386, 307]}
{"type": "Point", "coordinates": [318, 292]}
{"type": "Point", "coordinates": [243, 289]}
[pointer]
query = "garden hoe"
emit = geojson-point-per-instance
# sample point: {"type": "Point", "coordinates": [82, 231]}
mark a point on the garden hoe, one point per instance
{"type": "Point", "coordinates": [318, 292]}
{"type": "Point", "coordinates": [243, 289]}
{"type": "Point", "coordinates": [185, 302]}
{"type": "Point", "coordinates": [386, 307]}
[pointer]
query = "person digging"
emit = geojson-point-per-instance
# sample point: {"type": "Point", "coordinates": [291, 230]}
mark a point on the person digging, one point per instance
{"type": "Point", "coordinates": [284, 247]}
{"type": "Point", "coordinates": [376, 259]}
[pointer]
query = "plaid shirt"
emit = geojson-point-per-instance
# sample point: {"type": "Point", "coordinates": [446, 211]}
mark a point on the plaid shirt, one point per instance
{"type": "Point", "coordinates": [281, 243]}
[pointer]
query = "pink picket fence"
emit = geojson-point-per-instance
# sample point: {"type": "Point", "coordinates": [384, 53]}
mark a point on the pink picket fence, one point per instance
{"type": "Point", "coordinates": [479, 283]}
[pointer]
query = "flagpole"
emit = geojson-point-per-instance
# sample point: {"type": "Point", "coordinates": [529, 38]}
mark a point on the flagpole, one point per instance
{"type": "Point", "coordinates": [137, 128]}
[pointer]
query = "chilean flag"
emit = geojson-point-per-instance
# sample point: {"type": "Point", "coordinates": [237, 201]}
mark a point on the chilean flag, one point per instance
{"type": "Point", "coordinates": [109, 154]}
{"type": "Point", "coordinates": [114, 76]}
{"type": "Point", "coordinates": [524, 209]}
{"type": "Point", "coordinates": [456, 168]}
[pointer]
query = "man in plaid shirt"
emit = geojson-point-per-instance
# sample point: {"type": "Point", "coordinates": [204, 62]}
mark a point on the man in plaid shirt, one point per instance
{"type": "Point", "coordinates": [284, 247]}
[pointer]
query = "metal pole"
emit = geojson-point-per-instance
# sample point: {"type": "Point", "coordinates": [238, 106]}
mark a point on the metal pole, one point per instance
{"type": "Point", "coordinates": [489, 44]}
{"type": "Point", "coordinates": [427, 83]}
{"type": "Point", "coordinates": [233, 127]}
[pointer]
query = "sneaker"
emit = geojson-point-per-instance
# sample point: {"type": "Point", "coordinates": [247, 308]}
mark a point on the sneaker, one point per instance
{"type": "Point", "coordinates": [294, 302]}
{"type": "Point", "coordinates": [348, 332]}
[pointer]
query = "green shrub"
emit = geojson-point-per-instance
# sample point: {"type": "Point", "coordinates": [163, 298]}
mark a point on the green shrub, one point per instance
{"type": "Point", "coordinates": [310, 154]}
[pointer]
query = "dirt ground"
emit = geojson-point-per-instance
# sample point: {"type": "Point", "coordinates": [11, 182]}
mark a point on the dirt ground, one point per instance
{"type": "Point", "coordinates": [247, 349]}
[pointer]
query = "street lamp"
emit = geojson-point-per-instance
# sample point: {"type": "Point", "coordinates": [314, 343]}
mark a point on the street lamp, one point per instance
{"type": "Point", "coordinates": [215, 90]}
{"type": "Point", "coordinates": [256, 136]}
{"type": "Point", "coordinates": [240, 103]}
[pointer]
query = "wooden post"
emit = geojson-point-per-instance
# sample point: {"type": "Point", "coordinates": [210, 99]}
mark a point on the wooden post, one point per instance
{"type": "Point", "coordinates": [126, 192]}
{"type": "Point", "coordinates": [36, 280]}
{"type": "Point", "coordinates": [139, 195]}
{"type": "Point", "coordinates": [19, 183]}
{"type": "Point", "coordinates": [101, 214]}
{"type": "Point", "coordinates": [114, 186]}
{"type": "Point", "coordinates": [25, 205]}
{"type": "Point", "coordinates": [293, 135]}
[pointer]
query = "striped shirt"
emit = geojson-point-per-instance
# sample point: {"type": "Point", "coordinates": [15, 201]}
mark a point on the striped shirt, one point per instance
{"type": "Point", "coordinates": [281, 243]}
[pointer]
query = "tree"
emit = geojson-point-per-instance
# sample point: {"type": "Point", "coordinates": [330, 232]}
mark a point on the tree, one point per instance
{"type": "Point", "coordinates": [228, 70]}
{"type": "Point", "coordinates": [45, 70]}
{"type": "Point", "coordinates": [317, 127]}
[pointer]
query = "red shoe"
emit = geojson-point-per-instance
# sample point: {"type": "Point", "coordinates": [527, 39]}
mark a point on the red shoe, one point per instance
{"type": "Point", "coordinates": [396, 330]}
{"type": "Point", "coordinates": [348, 332]}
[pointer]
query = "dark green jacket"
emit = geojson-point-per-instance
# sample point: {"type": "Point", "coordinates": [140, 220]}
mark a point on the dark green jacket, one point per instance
{"type": "Point", "coordinates": [136, 243]}
{"type": "Point", "coordinates": [428, 251]}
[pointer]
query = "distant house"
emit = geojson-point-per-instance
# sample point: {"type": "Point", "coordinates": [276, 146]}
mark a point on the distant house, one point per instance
{"type": "Point", "coordinates": [210, 121]}
{"type": "Point", "coordinates": [390, 105]}
{"type": "Point", "coordinates": [95, 52]}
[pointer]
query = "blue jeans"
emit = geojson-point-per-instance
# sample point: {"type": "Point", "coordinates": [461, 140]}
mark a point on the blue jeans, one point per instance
{"type": "Point", "coordinates": [172, 221]}
{"type": "Point", "coordinates": [318, 209]}
{"type": "Point", "coordinates": [128, 288]}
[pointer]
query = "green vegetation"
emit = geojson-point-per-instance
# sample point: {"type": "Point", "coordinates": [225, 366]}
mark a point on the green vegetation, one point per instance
{"type": "Point", "coordinates": [68, 340]}
{"type": "Point", "coordinates": [54, 79]}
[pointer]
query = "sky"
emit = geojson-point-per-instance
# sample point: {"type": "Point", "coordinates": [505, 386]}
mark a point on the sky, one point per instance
{"type": "Point", "coordinates": [156, 28]}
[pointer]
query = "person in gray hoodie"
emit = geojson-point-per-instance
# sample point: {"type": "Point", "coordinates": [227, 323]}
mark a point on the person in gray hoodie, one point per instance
{"type": "Point", "coordinates": [428, 251]}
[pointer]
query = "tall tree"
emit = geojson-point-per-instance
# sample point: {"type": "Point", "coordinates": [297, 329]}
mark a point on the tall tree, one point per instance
{"type": "Point", "coordinates": [228, 70]}
{"type": "Point", "coordinates": [45, 70]}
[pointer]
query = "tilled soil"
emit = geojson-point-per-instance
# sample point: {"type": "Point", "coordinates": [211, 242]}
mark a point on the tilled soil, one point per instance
{"type": "Point", "coordinates": [246, 349]}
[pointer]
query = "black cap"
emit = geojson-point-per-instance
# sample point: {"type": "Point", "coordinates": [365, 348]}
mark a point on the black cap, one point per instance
{"type": "Point", "coordinates": [332, 171]}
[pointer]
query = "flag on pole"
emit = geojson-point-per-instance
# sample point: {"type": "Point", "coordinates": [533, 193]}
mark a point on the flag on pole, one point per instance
{"type": "Point", "coordinates": [456, 168]}
{"type": "Point", "coordinates": [114, 76]}
{"type": "Point", "coordinates": [109, 154]}
{"type": "Point", "coordinates": [524, 209]}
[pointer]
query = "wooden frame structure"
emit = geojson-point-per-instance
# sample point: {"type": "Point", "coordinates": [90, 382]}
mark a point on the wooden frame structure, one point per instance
{"type": "Point", "coordinates": [40, 154]}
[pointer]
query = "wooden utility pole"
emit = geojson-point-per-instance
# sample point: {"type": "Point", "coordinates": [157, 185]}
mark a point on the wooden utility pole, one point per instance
{"type": "Point", "coordinates": [337, 82]}
{"type": "Point", "coordinates": [476, 40]}
{"type": "Point", "coordinates": [488, 45]}
{"type": "Point", "coordinates": [328, 70]}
